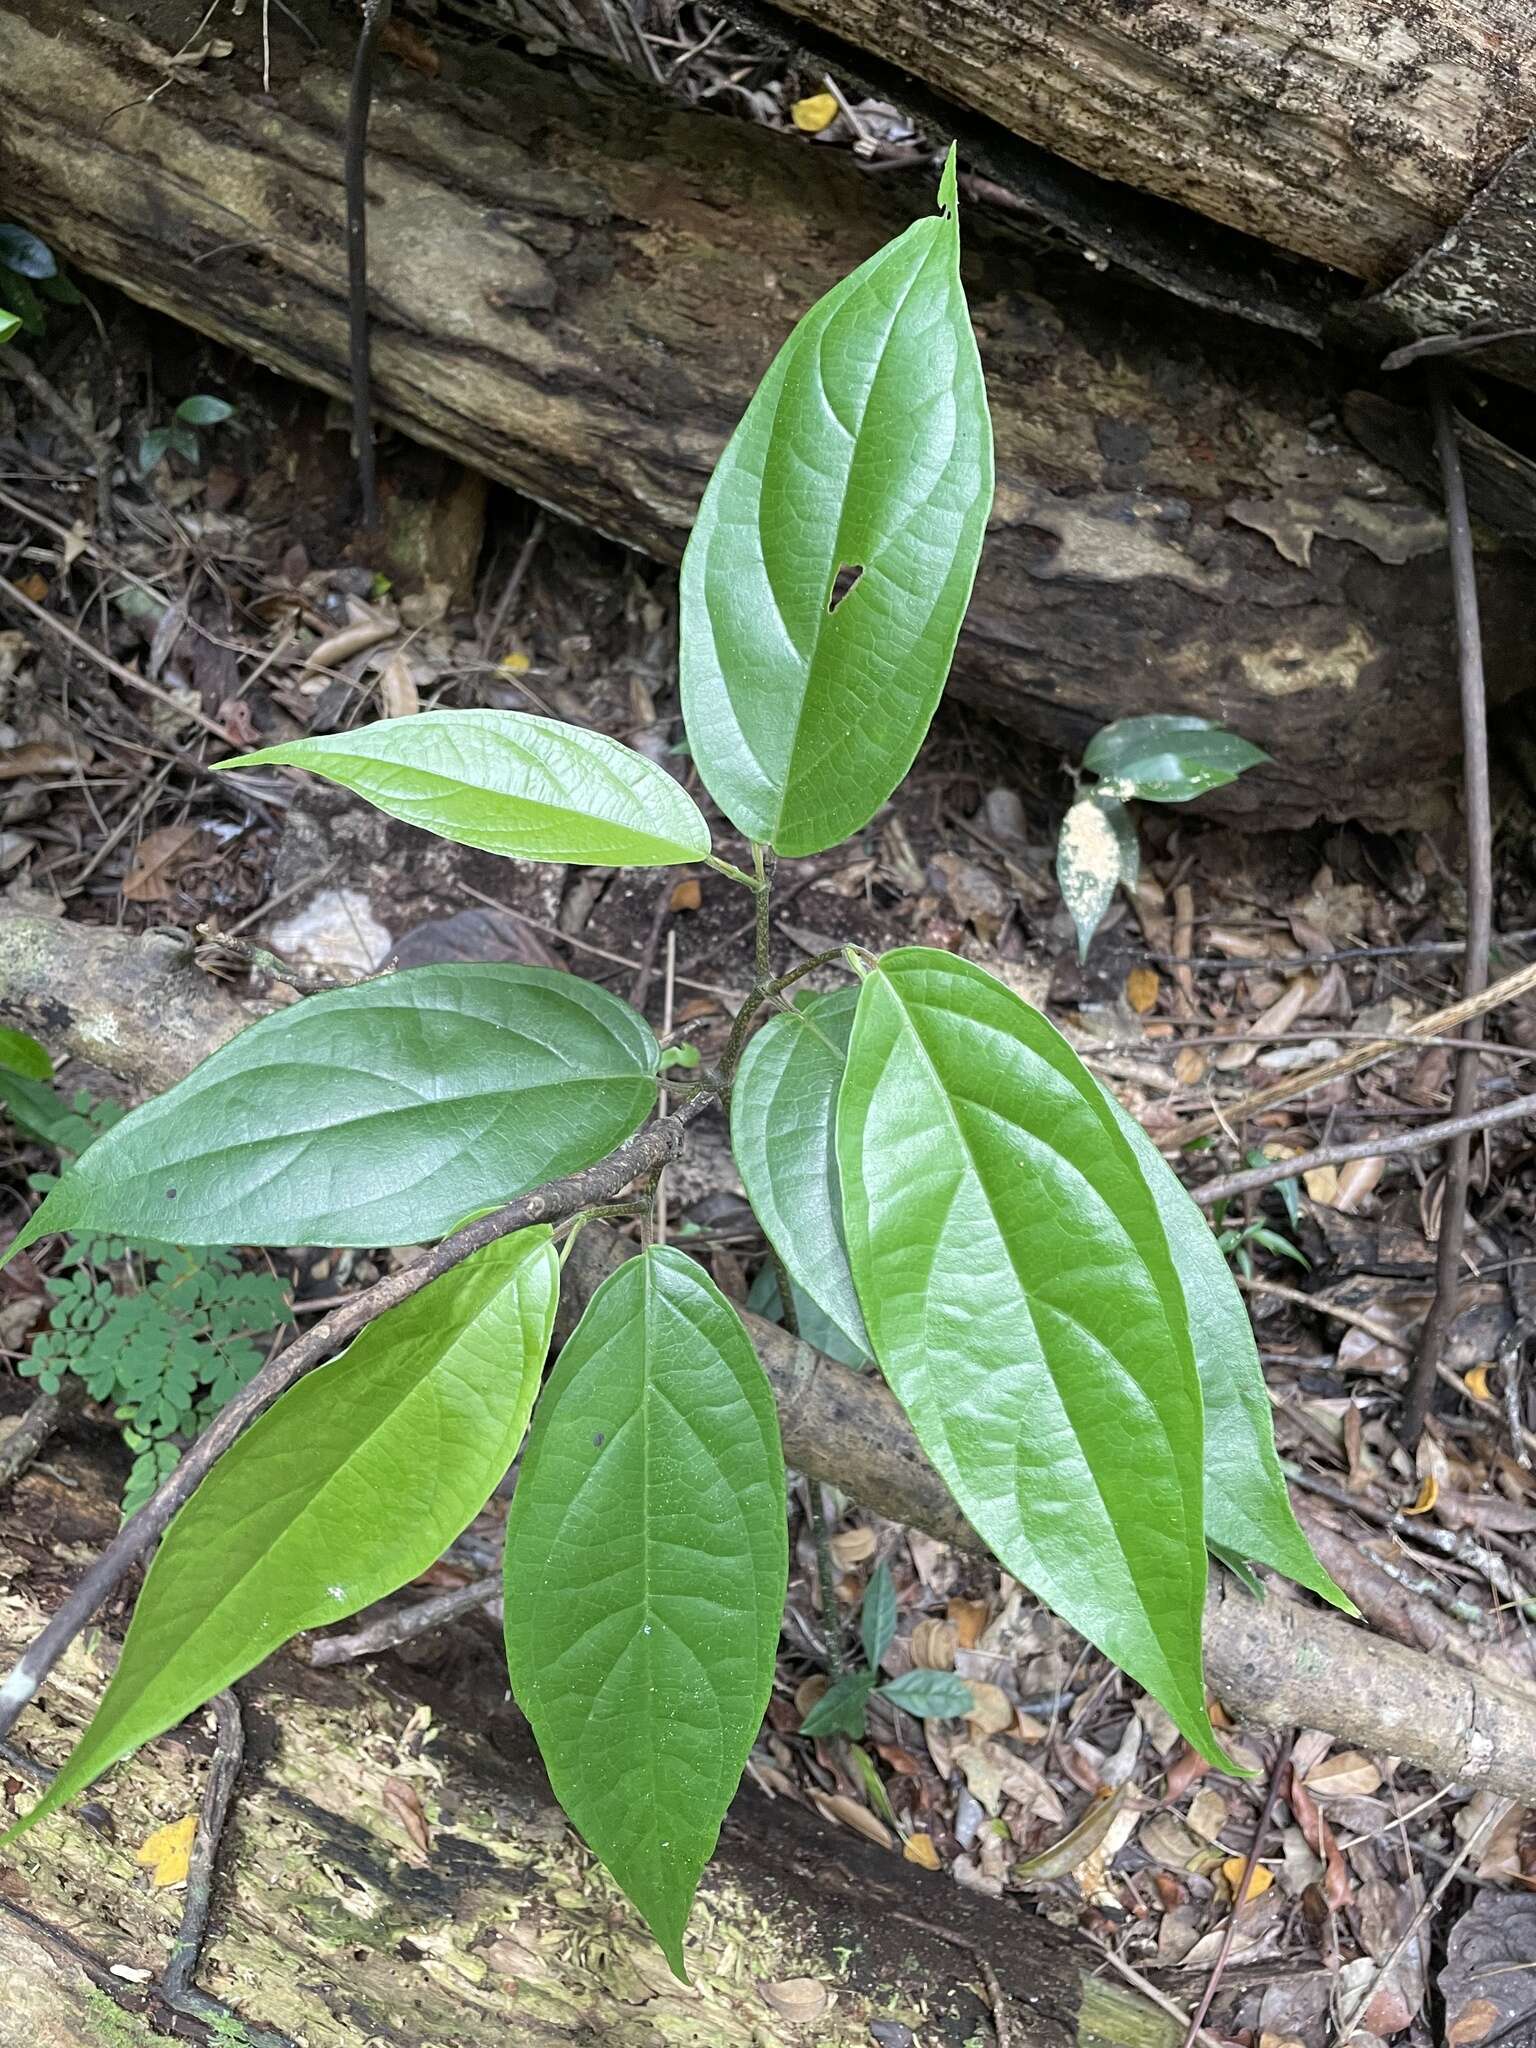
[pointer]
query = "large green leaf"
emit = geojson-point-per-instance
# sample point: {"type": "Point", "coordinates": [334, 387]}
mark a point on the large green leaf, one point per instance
{"type": "Point", "coordinates": [1247, 1504]}
{"type": "Point", "coordinates": [378, 1114]}
{"type": "Point", "coordinates": [646, 1562]}
{"type": "Point", "coordinates": [530, 788]}
{"type": "Point", "coordinates": [867, 448]}
{"type": "Point", "coordinates": [1018, 1289]}
{"type": "Point", "coordinates": [782, 1104]}
{"type": "Point", "coordinates": [350, 1485]}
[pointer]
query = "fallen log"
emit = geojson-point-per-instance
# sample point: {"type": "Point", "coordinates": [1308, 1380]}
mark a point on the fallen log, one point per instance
{"type": "Point", "coordinates": [1279, 1663]}
{"type": "Point", "coordinates": [396, 1871]}
{"type": "Point", "coordinates": [575, 289]}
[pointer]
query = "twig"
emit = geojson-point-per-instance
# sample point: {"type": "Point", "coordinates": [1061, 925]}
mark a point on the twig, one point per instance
{"type": "Point", "coordinates": [1240, 1899]}
{"type": "Point", "coordinates": [1474, 738]}
{"type": "Point", "coordinates": [1002, 2026]}
{"type": "Point", "coordinates": [40, 1420]}
{"type": "Point", "coordinates": [641, 987]}
{"type": "Point", "coordinates": [1287, 963]}
{"type": "Point", "coordinates": [1229, 1184]}
{"type": "Point", "coordinates": [1352, 1316]}
{"type": "Point", "coordinates": [514, 584]}
{"type": "Point", "coordinates": [1160, 1999]}
{"type": "Point", "coordinates": [97, 446]}
{"type": "Point", "coordinates": [1442, 1023]}
{"type": "Point", "coordinates": [354, 175]}
{"type": "Point", "coordinates": [402, 1623]}
{"type": "Point", "coordinates": [557, 1199]}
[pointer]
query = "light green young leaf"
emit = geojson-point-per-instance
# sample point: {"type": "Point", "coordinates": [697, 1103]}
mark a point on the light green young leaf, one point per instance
{"type": "Point", "coordinates": [529, 788]}
{"type": "Point", "coordinates": [646, 1562]}
{"type": "Point", "coordinates": [10, 326]}
{"type": "Point", "coordinates": [1247, 1504]}
{"type": "Point", "coordinates": [1017, 1286]}
{"type": "Point", "coordinates": [378, 1114]}
{"type": "Point", "coordinates": [866, 449]}
{"type": "Point", "coordinates": [350, 1485]}
{"type": "Point", "coordinates": [1096, 851]}
{"type": "Point", "coordinates": [1169, 758]}
{"type": "Point", "coordinates": [21, 1054]}
{"type": "Point", "coordinates": [781, 1133]}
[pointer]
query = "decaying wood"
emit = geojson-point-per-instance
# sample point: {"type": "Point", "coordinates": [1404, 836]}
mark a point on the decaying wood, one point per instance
{"type": "Point", "coordinates": [577, 286]}
{"type": "Point", "coordinates": [397, 1872]}
{"type": "Point", "coordinates": [1277, 1662]}
{"type": "Point", "coordinates": [1353, 134]}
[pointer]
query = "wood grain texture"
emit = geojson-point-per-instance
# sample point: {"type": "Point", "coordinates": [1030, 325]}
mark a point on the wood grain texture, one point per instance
{"type": "Point", "coordinates": [1342, 130]}
{"type": "Point", "coordinates": [577, 285]}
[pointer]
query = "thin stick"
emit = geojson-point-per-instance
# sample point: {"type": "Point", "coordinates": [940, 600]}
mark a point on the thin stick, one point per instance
{"type": "Point", "coordinates": [514, 584]}
{"type": "Point", "coordinates": [557, 1199]}
{"type": "Point", "coordinates": [1227, 1185]}
{"type": "Point", "coordinates": [97, 446]}
{"type": "Point", "coordinates": [1271, 1794]}
{"type": "Point", "coordinates": [1278, 1291]}
{"type": "Point", "coordinates": [1474, 738]}
{"type": "Point", "coordinates": [354, 175]}
{"type": "Point", "coordinates": [39, 1422]}
{"type": "Point", "coordinates": [402, 1623]}
{"type": "Point", "coordinates": [1441, 1023]}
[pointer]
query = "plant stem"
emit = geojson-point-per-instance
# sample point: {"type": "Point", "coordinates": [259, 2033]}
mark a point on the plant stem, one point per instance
{"type": "Point", "coordinates": [762, 867]}
{"type": "Point", "coordinates": [832, 1634]}
{"type": "Point", "coordinates": [735, 874]}
{"type": "Point", "coordinates": [354, 180]}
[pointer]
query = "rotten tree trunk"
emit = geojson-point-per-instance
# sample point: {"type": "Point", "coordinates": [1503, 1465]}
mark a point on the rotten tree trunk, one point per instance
{"type": "Point", "coordinates": [396, 1871]}
{"type": "Point", "coordinates": [576, 290]}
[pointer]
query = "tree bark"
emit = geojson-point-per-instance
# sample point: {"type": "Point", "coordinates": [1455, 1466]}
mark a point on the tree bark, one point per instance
{"type": "Point", "coordinates": [1351, 134]}
{"type": "Point", "coordinates": [576, 291]}
{"type": "Point", "coordinates": [334, 1925]}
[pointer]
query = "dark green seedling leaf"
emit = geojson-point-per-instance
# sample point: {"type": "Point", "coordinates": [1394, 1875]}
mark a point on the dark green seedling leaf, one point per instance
{"type": "Point", "coordinates": [350, 1485]}
{"type": "Point", "coordinates": [1097, 850]}
{"type": "Point", "coordinates": [202, 411]}
{"type": "Point", "coordinates": [152, 448]}
{"type": "Point", "coordinates": [877, 1618]}
{"type": "Point", "coordinates": [184, 442]}
{"type": "Point", "coordinates": [931, 1695]}
{"type": "Point", "coordinates": [19, 297]}
{"type": "Point", "coordinates": [1169, 758]}
{"type": "Point", "coordinates": [840, 1710]}
{"type": "Point", "coordinates": [23, 1055]}
{"type": "Point", "coordinates": [529, 788]}
{"type": "Point", "coordinates": [646, 1563]}
{"type": "Point", "coordinates": [21, 251]}
{"type": "Point", "coordinates": [832, 559]}
{"type": "Point", "coordinates": [781, 1133]}
{"type": "Point", "coordinates": [1247, 1504]}
{"type": "Point", "coordinates": [1017, 1286]}
{"type": "Point", "coordinates": [378, 1114]}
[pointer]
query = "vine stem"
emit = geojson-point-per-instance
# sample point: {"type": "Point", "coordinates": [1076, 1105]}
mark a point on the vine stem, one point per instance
{"type": "Point", "coordinates": [354, 179]}
{"type": "Point", "coordinates": [821, 1535]}
{"type": "Point", "coordinates": [552, 1203]}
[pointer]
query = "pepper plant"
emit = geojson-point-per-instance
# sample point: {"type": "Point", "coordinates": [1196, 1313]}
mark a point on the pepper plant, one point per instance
{"type": "Point", "coordinates": [936, 1169]}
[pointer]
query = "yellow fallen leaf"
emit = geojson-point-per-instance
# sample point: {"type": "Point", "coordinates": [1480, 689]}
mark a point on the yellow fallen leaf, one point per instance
{"type": "Point", "coordinates": [516, 663]}
{"type": "Point", "coordinates": [168, 1851]}
{"type": "Point", "coordinates": [1476, 1383]}
{"type": "Point", "coordinates": [811, 115]}
{"type": "Point", "coordinates": [1258, 1883]}
{"type": "Point", "coordinates": [1141, 989]}
{"type": "Point", "coordinates": [1322, 1184]}
{"type": "Point", "coordinates": [920, 1849]}
{"type": "Point", "coordinates": [1429, 1493]}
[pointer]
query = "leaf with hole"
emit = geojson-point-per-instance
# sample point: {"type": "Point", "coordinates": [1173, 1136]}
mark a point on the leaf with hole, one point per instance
{"type": "Point", "coordinates": [1017, 1286]}
{"type": "Point", "coordinates": [1168, 759]}
{"type": "Point", "coordinates": [1247, 1504]}
{"type": "Point", "coordinates": [1097, 850]}
{"type": "Point", "coordinates": [351, 1484]}
{"type": "Point", "coordinates": [376, 1114]}
{"type": "Point", "coordinates": [646, 1560]}
{"type": "Point", "coordinates": [524, 787]}
{"type": "Point", "coordinates": [782, 1107]}
{"type": "Point", "coordinates": [833, 555]}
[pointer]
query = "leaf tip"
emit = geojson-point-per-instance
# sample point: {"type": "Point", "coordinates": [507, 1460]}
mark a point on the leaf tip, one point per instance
{"type": "Point", "coordinates": [949, 187]}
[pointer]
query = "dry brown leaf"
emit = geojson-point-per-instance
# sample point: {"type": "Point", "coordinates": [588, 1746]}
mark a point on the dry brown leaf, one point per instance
{"type": "Point", "coordinates": [1349, 1775]}
{"type": "Point", "coordinates": [991, 1709]}
{"type": "Point", "coordinates": [809, 1691]}
{"type": "Point", "coordinates": [968, 1618]}
{"type": "Point", "coordinates": [1188, 1066]}
{"type": "Point", "coordinates": [853, 1546]}
{"type": "Point", "coordinates": [933, 1644]}
{"type": "Point", "coordinates": [800, 2000]}
{"type": "Point", "coordinates": [919, 1849]}
{"type": "Point", "coordinates": [1207, 1814]}
{"type": "Point", "coordinates": [36, 757]}
{"type": "Point", "coordinates": [1357, 1179]}
{"type": "Point", "coordinates": [33, 586]}
{"type": "Point", "coordinates": [1336, 1887]}
{"type": "Point", "coordinates": [398, 694]}
{"type": "Point", "coordinates": [1074, 1848]}
{"type": "Point", "coordinates": [848, 1813]}
{"type": "Point", "coordinates": [1141, 989]}
{"type": "Point", "coordinates": [1165, 1838]}
{"type": "Point", "coordinates": [159, 859]}
{"type": "Point", "coordinates": [402, 1802]}
{"type": "Point", "coordinates": [687, 895]}
{"type": "Point", "coordinates": [994, 1773]}
{"type": "Point", "coordinates": [1271, 1023]}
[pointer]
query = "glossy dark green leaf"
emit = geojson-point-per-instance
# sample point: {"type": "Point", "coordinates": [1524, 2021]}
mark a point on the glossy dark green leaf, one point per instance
{"type": "Point", "coordinates": [350, 1485]}
{"type": "Point", "coordinates": [23, 252]}
{"type": "Point", "coordinates": [528, 788]}
{"type": "Point", "coordinates": [782, 1135]}
{"type": "Point", "coordinates": [931, 1695]}
{"type": "Point", "coordinates": [646, 1562]}
{"type": "Point", "coordinates": [840, 1710]}
{"type": "Point", "coordinates": [1169, 758]}
{"type": "Point", "coordinates": [1096, 851]}
{"type": "Point", "coordinates": [1247, 1504]}
{"type": "Point", "coordinates": [877, 1617]}
{"type": "Point", "coordinates": [22, 1054]}
{"type": "Point", "coordinates": [378, 1114]}
{"type": "Point", "coordinates": [1018, 1289]}
{"type": "Point", "coordinates": [832, 559]}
